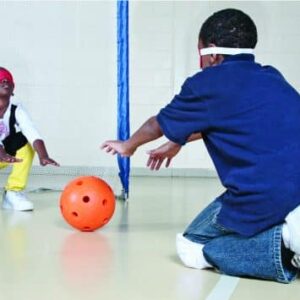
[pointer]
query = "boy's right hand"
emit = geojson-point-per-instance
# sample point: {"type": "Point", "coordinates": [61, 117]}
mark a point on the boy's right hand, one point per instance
{"type": "Point", "coordinates": [118, 147]}
{"type": "Point", "coordinates": [5, 157]}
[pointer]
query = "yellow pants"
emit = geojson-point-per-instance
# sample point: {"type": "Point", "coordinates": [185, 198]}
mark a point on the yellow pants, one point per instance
{"type": "Point", "coordinates": [18, 177]}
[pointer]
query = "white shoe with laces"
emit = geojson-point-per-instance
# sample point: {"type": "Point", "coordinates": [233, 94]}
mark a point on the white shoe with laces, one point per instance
{"type": "Point", "coordinates": [14, 200]}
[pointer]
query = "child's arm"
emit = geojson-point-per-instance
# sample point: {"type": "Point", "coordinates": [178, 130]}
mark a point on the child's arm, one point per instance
{"type": "Point", "coordinates": [195, 137]}
{"type": "Point", "coordinates": [40, 148]}
{"type": "Point", "coordinates": [28, 129]}
{"type": "Point", "coordinates": [167, 151]}
{"type": "Point", "coordinates": [149, 131]}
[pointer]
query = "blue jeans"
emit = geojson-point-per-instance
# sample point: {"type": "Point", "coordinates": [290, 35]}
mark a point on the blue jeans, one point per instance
{"type": "Point", "coordinates": [261, 256]}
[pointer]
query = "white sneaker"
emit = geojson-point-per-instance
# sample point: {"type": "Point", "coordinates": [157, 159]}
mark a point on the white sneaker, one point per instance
{"type": "Point", "coordinates": [291, 234]}
{"type": "Point", "coordinates": [16, 201]}
{"type": "Point", "coordinates": [190, 253]}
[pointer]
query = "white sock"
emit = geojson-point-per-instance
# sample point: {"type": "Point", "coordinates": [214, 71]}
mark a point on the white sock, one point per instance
{"type": "Point", "coordinates": [291, 230]}
{"type": "Point", "coordinates": [191, 253]}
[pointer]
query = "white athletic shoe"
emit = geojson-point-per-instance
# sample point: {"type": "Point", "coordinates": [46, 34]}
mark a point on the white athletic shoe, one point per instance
{"type": "Point", "coordinates": [190, 253]}
{"type": "Point", "coordinates": [291, 234]}
{"type": "Point", "coordinates": [16, 201]}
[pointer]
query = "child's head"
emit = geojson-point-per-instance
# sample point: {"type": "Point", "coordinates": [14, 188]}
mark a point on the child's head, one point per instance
{"type": "Point", "coordinates": [229, 28]}
{"type": "Point", "coordinates": [6, 83]}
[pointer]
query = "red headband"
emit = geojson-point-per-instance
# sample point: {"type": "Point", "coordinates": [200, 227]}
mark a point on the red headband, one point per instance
{"type": "Point", "coordinates": [5, 74]}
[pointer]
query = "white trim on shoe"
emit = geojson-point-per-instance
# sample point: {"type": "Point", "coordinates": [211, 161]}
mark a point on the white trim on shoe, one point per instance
{"type": "Point", "coordinates": [296, 261]}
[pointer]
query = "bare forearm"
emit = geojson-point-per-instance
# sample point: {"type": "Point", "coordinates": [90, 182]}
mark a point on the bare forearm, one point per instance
{"type": "Point", "coordinates": [40, 148]}
{"type": "Point", "coordinates": [149, 131]}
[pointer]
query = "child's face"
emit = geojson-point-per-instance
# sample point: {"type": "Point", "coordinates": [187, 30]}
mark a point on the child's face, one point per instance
{"type": "Point", "coordinates": [6, 88]}
{"type": "Point", "coordinates": [6, 84]}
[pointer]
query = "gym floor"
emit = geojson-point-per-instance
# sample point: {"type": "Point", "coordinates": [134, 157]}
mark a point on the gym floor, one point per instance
{"type": "Point", "coordinates": [132, 257]}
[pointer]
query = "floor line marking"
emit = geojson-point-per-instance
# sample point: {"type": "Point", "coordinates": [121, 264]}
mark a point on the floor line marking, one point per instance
{"type": "Point", "coordinates": [224, 288]}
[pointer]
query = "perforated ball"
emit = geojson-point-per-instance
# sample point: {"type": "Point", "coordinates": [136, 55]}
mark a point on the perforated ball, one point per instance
{"type": "Point", "coordinates": [87, 203]}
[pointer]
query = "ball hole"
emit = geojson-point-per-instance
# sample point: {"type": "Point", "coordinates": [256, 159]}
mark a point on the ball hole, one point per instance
{"type": "Point", "coordinates": [86, 228]}
{"type": "Point", "coordinates": [104, 202]}
{"type": "Point", "coordinates": [61, 208]}
{"type": "Point", "coordinates": [86, 199]}
{"type": "Point", "coordinates": [105, 220]}
{"type": "Point", "coordinates": [75, 214]}
{"type": "Point", "coordinates": [79, 182]}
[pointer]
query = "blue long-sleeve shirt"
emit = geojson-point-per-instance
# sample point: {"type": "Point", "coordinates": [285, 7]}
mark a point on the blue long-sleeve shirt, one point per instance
{"type": "Point", "coordinates": [249, 116]}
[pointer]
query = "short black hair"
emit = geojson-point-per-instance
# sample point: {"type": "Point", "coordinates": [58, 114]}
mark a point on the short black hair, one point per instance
{"type": "Point", "coordinates": [229, 28]}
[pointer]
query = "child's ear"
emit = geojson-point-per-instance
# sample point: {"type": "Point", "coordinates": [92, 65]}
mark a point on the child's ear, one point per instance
{"type": "Point", "coordinates": [213, 59]}
{"type": "Point", "coordinates": [216, 59]}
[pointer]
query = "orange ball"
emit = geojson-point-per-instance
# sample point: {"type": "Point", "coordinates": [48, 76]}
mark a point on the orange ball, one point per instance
{"type": "Point", "coordinates": [87, 203]}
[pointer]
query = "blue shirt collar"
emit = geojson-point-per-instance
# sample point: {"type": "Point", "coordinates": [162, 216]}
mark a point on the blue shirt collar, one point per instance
{"type": "Point", "coordinates": [239, 57]}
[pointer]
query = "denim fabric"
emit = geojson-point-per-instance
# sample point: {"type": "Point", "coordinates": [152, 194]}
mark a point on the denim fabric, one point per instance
{"type": "Point", "coordinates": [260, 256]}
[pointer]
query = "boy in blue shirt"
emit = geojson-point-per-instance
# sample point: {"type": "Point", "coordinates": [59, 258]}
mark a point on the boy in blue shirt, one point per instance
{"type": "Point", "coordinates": [249, 118]}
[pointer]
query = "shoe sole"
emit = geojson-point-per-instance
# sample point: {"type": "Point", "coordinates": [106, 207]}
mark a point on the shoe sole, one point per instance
{"type": "Point", "coordinates": [8, 207]}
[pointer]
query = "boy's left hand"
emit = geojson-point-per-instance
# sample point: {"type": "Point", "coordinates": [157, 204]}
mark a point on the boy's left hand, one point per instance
{"type": "Point", "coordinates": [48, 161]}
{"type": "Point", "coordinates": [165, 152]}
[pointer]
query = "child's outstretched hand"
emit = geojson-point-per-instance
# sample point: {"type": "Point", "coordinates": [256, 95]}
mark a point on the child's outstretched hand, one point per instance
{"type": "Point", "coordinates": [157, 156]}
{"type": "Point", "coordinates": [118, 147]}
{"type": "Point", "coordinates": [44, 161]}
{"type": "Point", "coordinates": [4, 157]}
{"type": "Point", "coordinates": [40, 147]}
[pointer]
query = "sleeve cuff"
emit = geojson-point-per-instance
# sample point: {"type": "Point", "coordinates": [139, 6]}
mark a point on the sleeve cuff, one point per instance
{"type": "Point", "coordinates": [167, 133]}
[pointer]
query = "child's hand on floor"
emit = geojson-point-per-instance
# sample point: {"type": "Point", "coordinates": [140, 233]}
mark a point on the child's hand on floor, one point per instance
{"type": "Point", "coordinates": [158, 155]}
{"type": "Point", "coordinates": [4, 157]}
{"type": "Point", "coordinates": [40, 147]}
{"type": "Point", "coordinates": [48, 161]}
